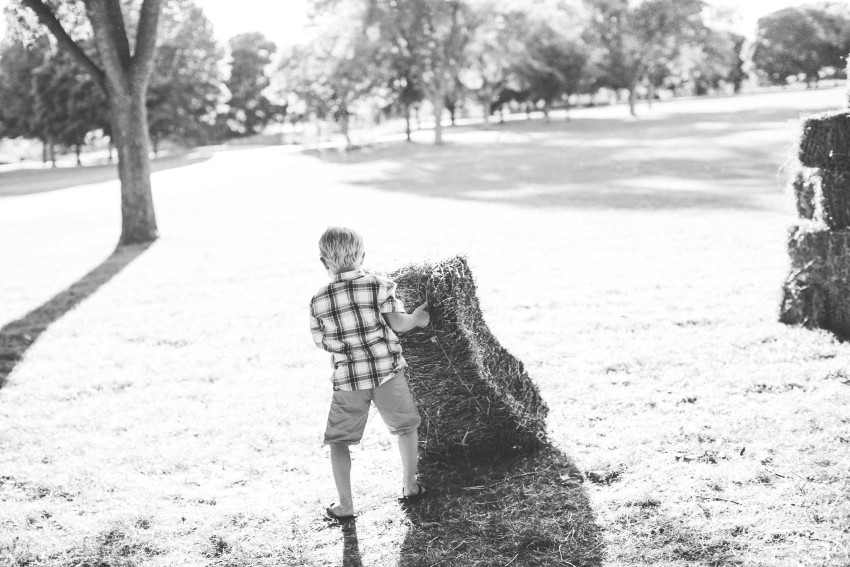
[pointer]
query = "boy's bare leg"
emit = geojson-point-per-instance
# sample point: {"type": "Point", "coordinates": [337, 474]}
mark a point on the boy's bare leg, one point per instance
{"type": "Point", "coordinates": [341, 464]}
{"type": "Point", "coordinates": [408, 446]}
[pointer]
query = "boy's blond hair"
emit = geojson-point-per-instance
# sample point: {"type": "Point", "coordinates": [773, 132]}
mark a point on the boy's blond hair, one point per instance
{"type": "Point", "coordinates": [340, 246]}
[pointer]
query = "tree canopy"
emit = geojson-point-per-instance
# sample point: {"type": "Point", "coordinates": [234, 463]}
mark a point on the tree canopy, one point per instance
{"type": "Point", "coordinates": [250, 110]}
{"type": "Point", "coordinates": [802, 42]}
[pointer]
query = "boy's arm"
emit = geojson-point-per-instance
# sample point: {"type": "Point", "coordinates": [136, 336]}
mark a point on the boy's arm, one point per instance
{"type": "Point", "coordinates": [403, 322]}
{"type": "Point", "coordinates": [316, 330]}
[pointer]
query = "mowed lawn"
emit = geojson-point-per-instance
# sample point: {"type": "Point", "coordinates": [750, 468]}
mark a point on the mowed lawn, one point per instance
{"type": "Point", "coordinates": [174, 416]}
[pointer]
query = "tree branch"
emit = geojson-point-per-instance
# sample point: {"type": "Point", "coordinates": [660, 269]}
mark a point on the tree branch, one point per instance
{"type": "Point", "coordinates": [118, 30]}
{"type": "Point", "coordinates": [143, 56]}
{"type": "Point", "coordinates": [98, 14]}
{"type": "Point", "coordinates": [48, 19]}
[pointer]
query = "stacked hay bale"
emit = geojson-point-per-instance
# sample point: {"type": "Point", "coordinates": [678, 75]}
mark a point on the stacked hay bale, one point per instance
{"type": "Point", "coordinates": [817, 291]}
{"type": "Point", "coordinates": [475, 398]}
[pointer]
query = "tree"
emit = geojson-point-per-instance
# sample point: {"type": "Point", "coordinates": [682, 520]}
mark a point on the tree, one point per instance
{"type": "Point", "coordinates": [553, 65]}
{"type": "Point", "coordinates": [122, 71]}
{"type": "Point", "coordinates": [716, 61]}
{"type": "Point", "coordinates": [394, 74]}
{"type": "Point", "coordinates": [402, 86]}
{"type": "Point", "coordinates": [46, 96]}
{"type": "Point", "coordinates": [633, 39]}
{"type": "Point", "coordinates": [701, 68]}
{"type": "Point", "coordinates": [833, 22]}
{"type": "Point", "coordinates": [787, 44]}
{"type": "Point", "coordinates": [185, 87]}
{"type": "Point", "coordinates": [17, 65]}
{"type": "Point", "coordinates": [250, 110]}
{"type": "Point", "coordinates": [494, 48]}
{"type": "Point", "coordinates": [800, 41]}
{"type": "Point", "coordinates": [68, 104]}
{"type": "Point", "coordinates": [342, 65]}
{"type": "Point", "coordinates": [434, 35]}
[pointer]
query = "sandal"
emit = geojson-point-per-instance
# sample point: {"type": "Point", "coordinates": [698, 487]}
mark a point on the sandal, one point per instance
{"type": "Point", "coordinates": [422, 493]}
{"type": "Point", "coordinates": [334, 517]}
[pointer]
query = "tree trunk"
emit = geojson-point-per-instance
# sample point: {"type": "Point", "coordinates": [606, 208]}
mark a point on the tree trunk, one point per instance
{"type": "Point", "coordinates": [343, 123]}
{"type": "Point", "coordinates": [437, 101]}
{"type": "Point", "coordinates": [632, 101]}
{"type": "Point", "coordinates": [130, 129]}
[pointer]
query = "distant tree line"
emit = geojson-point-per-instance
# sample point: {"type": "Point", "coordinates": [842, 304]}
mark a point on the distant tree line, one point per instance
{"type": "Point", "coordinates": [399, 53]}
{"type": "Point", "coordinates": [394, 55]}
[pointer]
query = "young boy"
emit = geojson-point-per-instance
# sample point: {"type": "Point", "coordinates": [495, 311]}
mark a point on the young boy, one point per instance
{"type": "Point", "coordinates": [355, 318]}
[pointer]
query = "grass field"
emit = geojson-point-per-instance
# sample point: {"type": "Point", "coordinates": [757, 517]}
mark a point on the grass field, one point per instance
{"type": "Point", "coordinates": [168, 405]}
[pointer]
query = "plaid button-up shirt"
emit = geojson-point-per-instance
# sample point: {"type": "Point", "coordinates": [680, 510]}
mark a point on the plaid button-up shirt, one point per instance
{"type": "Point", "coordinates": [346, 320]}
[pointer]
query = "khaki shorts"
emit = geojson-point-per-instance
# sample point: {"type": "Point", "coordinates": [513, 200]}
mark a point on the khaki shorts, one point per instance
{"type": "Point", "coordinates": [349, 410]}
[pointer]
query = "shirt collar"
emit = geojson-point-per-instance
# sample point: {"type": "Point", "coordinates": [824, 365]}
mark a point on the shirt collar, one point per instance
{"type": "Point", "coordinates": [349, 275]}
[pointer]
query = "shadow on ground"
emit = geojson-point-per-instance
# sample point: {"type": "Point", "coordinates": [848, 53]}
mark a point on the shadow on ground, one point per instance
{"type": "Point", "coordinates": [530, 510]}
{"type": "Point", "coordinates": [31, 181]}
{"type": "Point", "coordinates": [350, 546]}
{"type": "Point", "coordinates": [707, 161]}
{"type": "Point", "coordinates": [18, 336]}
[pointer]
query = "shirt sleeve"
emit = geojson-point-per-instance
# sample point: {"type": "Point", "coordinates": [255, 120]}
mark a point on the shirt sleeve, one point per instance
{"type": "Point", "coordinates": [387, 301]}
{"type": "Point", "coordinates": [316, 329]}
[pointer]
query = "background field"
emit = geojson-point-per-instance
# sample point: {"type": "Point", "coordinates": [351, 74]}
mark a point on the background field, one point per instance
{"type": "Point", "coordinates": [174, 416]}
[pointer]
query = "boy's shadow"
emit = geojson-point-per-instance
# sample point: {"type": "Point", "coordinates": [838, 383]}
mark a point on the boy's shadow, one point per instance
{"type": "Point", "coordinates": [523, 510]}
{"type": "Point", "coordinates": [350, 545]}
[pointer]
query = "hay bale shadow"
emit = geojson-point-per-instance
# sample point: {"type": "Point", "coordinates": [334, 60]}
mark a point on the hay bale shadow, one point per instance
{"type": "Point", "coordinates": [524, 510]}
{"type": "Point", "coordinates": [18, 336]}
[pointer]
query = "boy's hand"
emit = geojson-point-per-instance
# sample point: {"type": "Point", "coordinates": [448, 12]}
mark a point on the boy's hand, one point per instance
{"type": "Point", "coordinates": [421, 315]}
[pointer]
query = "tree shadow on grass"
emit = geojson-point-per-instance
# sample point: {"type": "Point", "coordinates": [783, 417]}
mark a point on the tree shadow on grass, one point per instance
{"type": "Point", "coordinates": [691, 161]}
{"type": "Point", "coordinates": [529, 510]}
{"type": "Point", "coordinates": [18, 336]}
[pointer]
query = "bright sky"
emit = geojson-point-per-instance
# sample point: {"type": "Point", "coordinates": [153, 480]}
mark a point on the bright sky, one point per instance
{"type": "Point", "coordinates": [283, 21]}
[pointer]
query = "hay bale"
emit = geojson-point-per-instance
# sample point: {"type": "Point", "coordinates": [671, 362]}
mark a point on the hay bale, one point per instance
{"type": "Point", "coordinates": [805, 185]}
{"type": "Point", "coordinates": [807, 245]}
{"type": "Point", "coordinates": [825, 140]}
{"type": "Point", "coordinates": [475, 398]}
{"type": "Point", "coordinates": [817, 291]}
{"type": "Point", "coordinates": [838, 283]}
{"type": "Point", "coordinates": [803, 290]}
{"type": "Point", "coordinates": [835, 197]}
